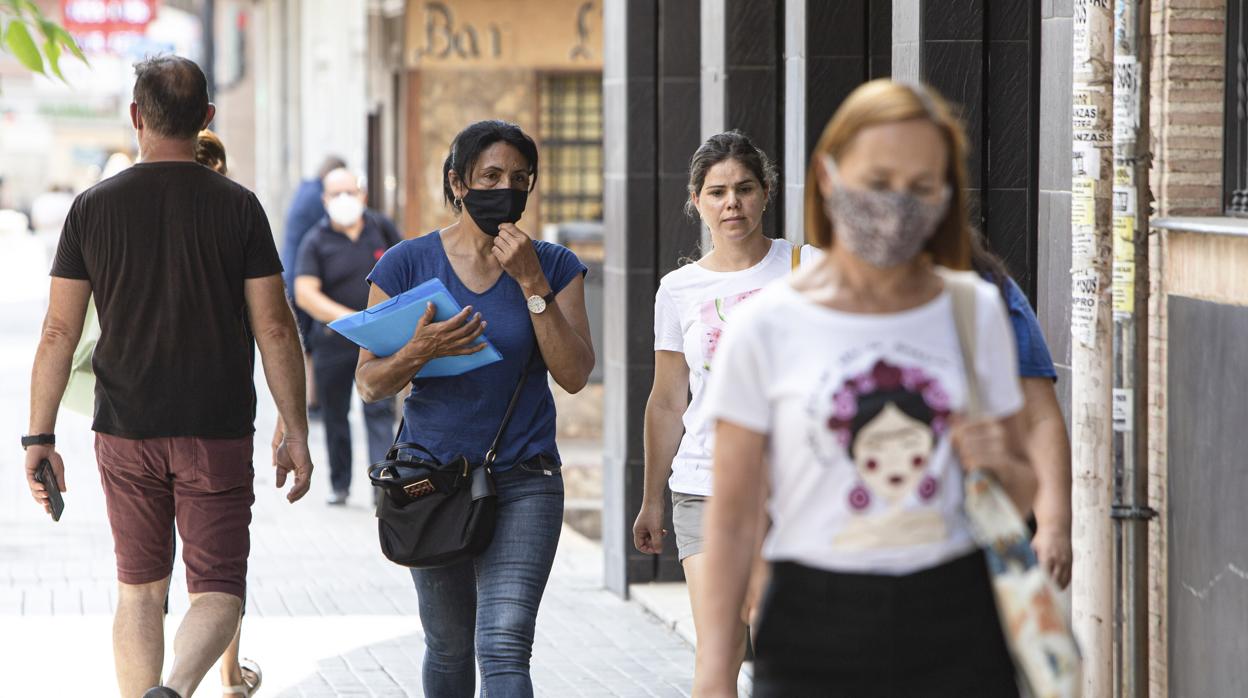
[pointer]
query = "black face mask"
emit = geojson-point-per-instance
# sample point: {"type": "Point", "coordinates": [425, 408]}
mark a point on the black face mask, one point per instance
{"type": "Point", "coordinates": [492, 207]}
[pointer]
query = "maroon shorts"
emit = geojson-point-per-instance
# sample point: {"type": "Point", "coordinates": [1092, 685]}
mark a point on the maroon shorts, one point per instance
{"type": "Point", "coordinates": [205, 485]}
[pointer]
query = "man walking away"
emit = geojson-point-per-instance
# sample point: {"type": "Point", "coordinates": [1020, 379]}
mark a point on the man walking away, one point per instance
{"type": "Point", "coordinates": [335, 260]}
{"type": "Point", "coordinates": [183, 270]}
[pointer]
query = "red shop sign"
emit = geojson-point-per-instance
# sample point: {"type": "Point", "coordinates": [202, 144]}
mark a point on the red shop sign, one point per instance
{"type": "Point", "coordinates": [107, 16]}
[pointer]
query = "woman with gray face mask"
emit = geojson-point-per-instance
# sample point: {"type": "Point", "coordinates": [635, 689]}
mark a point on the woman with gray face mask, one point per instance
{"type": "Point", "coordinates": [845, 387]}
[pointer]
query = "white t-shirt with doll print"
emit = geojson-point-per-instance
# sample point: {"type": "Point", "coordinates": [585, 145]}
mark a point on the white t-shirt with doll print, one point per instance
{"type": "Point", "coordinates": [857, 413]}
{"type": "Point", "coordinates": [690, 310]}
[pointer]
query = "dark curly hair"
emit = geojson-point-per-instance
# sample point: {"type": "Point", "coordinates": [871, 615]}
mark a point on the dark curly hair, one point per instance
{"type": "Point", "coordinates": [729, 145]}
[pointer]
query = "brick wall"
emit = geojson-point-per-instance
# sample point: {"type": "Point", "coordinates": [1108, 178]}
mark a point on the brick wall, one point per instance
{"type": "Point", "coordinates": [1187, 86]}
{"type": "Point", "coordinates": [1186, 92]}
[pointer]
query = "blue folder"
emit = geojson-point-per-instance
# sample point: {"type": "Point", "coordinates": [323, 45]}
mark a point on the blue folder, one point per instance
{"type": "Point", "coordinates": [384, 328]}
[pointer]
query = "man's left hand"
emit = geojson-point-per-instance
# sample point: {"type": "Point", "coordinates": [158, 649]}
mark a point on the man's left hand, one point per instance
{"type": "Point", "coordinates": [35, 454]}
{"type": "Point", "coordinates": [514, 250]}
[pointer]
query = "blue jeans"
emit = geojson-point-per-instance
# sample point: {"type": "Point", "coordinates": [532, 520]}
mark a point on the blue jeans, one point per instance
{"type": "Point", "coordinates": [490, 603]}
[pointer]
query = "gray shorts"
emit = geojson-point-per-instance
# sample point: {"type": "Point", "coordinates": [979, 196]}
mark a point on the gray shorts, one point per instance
{"type": "Point", "coordinates": [687, 511]}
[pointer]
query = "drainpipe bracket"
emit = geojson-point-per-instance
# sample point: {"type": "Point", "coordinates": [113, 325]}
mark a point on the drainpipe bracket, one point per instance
{"type": "Point", "coordinates": [1132, 513]}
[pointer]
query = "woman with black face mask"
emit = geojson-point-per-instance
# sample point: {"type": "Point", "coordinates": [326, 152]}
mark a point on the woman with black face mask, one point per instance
{"type": "Point", "coordinates": [528, 298]}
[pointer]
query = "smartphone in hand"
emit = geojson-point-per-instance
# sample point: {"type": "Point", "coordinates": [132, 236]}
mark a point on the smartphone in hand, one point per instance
{"type": "Point", "coordinates": [45, 476]}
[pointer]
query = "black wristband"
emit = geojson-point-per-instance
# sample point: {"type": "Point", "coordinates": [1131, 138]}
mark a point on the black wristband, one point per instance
{"type": "Point", "coordinates": [38, 440]}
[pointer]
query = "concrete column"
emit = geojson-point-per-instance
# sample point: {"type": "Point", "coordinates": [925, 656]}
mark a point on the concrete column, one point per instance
{"type": "Point", "coordinates": [651, 120]}
{"type": "Point", "coordinates": [829, 49]}
{"type": "Point", "coordinates": [333, 42]}
{"type": "Point", "coordinates": [1053, 250]}
{"type": "Point", "coordinates": [907, 33]}
{"type": "Point", "coordinates": [743, 79]}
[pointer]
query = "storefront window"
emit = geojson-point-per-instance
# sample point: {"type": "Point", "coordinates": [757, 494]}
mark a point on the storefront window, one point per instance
{"type": "Point", "coordinates": [571, 142]}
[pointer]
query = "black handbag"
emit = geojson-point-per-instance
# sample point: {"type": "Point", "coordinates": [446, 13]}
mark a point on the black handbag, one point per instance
{"type": "Point", "coordinates": [434, 514]}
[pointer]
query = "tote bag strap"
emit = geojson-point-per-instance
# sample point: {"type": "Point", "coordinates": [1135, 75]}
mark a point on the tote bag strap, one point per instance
{"type": "Point", "coordinates": [961, 286]}
{"type": "Point", "coordinates": [796, 261]}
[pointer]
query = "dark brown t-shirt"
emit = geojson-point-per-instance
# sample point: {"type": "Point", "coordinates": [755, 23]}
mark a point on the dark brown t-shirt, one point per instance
{"type": "Point", "coordinates": [166, 247]}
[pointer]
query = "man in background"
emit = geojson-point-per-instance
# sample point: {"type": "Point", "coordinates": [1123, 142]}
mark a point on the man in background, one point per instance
{"type": "Point", "coordinates": [335, 260]}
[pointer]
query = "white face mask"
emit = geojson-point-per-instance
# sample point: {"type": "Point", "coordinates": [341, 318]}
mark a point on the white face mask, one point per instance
{"type": "Point", "coordinates": [345, 209]}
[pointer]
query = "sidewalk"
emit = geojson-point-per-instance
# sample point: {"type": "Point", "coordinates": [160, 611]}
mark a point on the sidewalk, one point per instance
{"type": "Point", "coordinates": [326, 614]}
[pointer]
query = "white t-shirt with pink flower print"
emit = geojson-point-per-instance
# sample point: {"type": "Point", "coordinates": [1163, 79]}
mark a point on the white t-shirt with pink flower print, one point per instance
{"type": "Point", "coordinates": [857, 414]}
{"type": "Point", "coordinates": [691, 309]}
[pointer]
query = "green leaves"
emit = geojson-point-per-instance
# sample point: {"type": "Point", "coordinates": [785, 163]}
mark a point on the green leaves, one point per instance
{"type": "Point", "coordinates": [19, 22]}
{"type": "Point", "coordinates": [19, 43]}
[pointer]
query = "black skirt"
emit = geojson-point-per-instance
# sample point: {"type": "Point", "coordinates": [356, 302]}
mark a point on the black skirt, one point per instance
{"type": "Point", "coordinates": [931, 633]}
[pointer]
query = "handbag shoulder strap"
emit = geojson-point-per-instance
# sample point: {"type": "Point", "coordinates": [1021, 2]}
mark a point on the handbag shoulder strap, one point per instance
{"type": "Point", "coordinates": [797, 258]}
{"type": "Point", "coordinates": [961, 287]}
{"type": "Point", "coordinates": [491, 454]}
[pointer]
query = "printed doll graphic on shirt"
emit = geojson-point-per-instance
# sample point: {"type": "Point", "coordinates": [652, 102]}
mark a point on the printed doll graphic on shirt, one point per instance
{"type": "Point", "coordinates": [890, 421]}
{"type": "Point", "coordinates": [714, 315]}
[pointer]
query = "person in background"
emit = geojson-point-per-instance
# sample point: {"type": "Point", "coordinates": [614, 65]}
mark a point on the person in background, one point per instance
{"type": "Point", "coordinates": [239, 677]}
{"type": "Point", "coordinates": [210, 152]}
{"type": "Point", "coordinates": [170, 244]}
{"type": "Point", "coordinates": [1048, 444]}
{"type": "Point", "coordinates": [307, 208]}
{"type": "Point", "coordinates": [730, 182]}
{"type": "Point", "coordinates": [331, 281]}
{"type": "Point", "coordinates": [845, 388]}
{"type": "Point", "coordinates": [483, 612]}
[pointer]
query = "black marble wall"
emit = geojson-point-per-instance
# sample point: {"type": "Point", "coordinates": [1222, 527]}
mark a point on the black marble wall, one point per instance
{"type": "Point", "coordinates": [985, 57]}
{"type": "Point", "coordinates": [830, 49]}
{"type": "Point", "coordinates": [746, 51]}
{"type": "Point", "coordinates": [847, 44]}
{"type": "Point", "coordinates": [651, 107]}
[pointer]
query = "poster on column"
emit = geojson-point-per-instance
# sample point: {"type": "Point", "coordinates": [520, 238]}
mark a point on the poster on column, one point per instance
{"type": "Point", "coordinates": [1124, 242]}
{"type": "Point", "coordinates": [1124, 403]}
{"type": "Point", "coordinates": [1079, 33]}
{"type": "Point", "coordinates": [1085, 287]}
{"type": "Point", "coordinates": [1126, 98]}
{"type": "Point", "coordinates": [1082, 218]}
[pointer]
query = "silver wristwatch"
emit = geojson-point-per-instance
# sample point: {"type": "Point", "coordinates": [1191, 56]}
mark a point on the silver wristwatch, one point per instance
{"type": "Point", "coordinates": [538, 304]}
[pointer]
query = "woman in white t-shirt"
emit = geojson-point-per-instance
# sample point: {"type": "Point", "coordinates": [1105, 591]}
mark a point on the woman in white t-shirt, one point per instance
{"type": "Point", "coordinates": [730, 182]}
{"type": "Point", "coordinates": [848, 381]}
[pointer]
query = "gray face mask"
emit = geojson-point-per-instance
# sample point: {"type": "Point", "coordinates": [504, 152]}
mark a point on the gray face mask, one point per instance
{"type": "Point", "coordinates": [883, 228]}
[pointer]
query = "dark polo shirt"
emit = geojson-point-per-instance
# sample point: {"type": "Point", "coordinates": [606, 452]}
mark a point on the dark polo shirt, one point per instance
{"type": "Point", "coordinates": [343, 266]}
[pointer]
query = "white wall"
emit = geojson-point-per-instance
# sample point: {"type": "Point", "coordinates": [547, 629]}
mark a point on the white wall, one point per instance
{"type": "Point", "coordinates": [333, 81]}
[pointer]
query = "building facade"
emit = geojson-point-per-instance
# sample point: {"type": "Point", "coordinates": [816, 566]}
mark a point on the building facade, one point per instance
{"type": "Point", "coordinates": [677, 71]}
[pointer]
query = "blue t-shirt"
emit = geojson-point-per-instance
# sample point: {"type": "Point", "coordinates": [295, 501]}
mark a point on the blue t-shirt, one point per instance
{"type": "Point", "coordinates": [459, 415]}
{"type": "Point", "coordinates": [306, 209]}
{"type": "Point", "coordinates": [1034, 360]}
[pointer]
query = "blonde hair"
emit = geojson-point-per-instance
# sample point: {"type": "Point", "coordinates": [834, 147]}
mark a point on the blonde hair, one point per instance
{"type": "Point", "coordinates": [882, 102]}
{"type": "Point", "coordinates": [210, 151]}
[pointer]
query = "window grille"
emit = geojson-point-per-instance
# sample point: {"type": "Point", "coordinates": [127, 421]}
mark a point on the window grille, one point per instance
{"type": "Point", "coordinates": [571, 142]}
